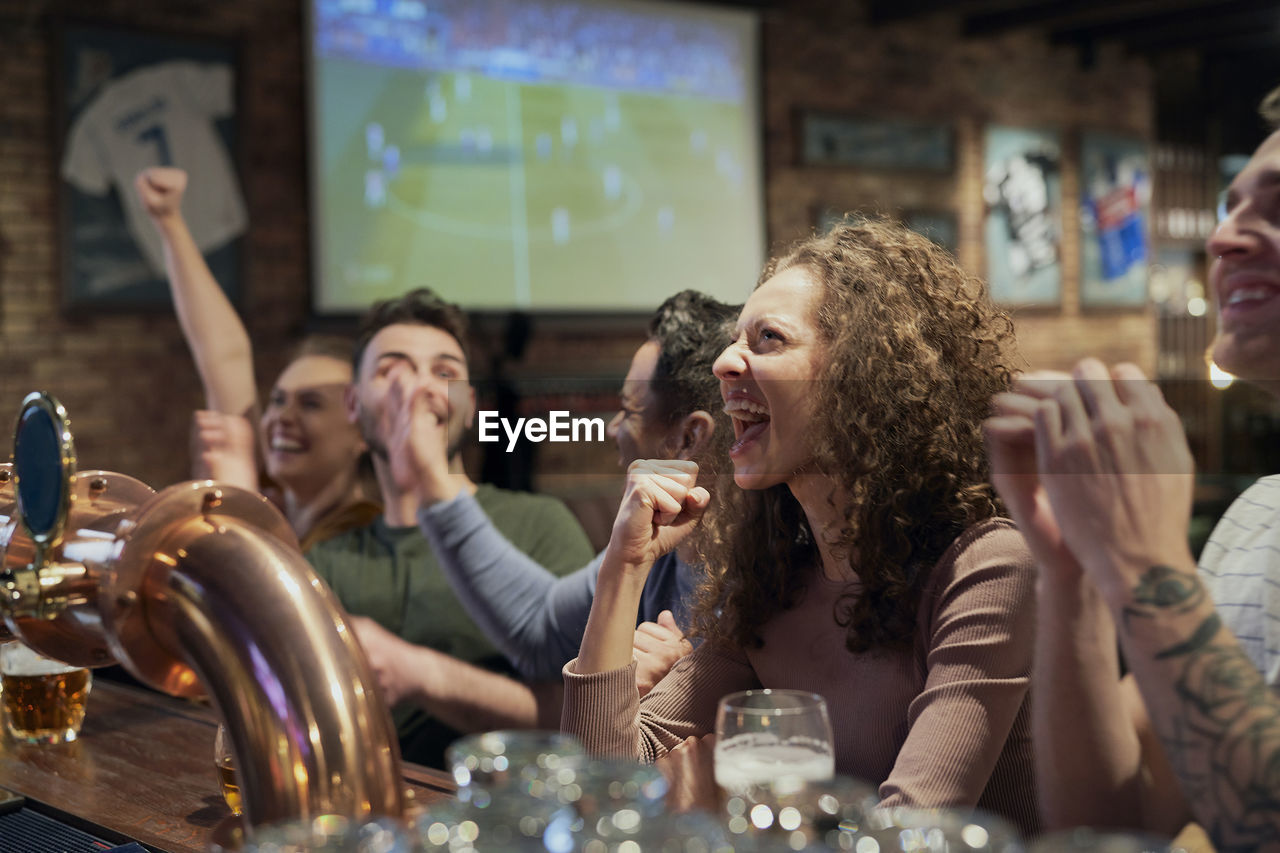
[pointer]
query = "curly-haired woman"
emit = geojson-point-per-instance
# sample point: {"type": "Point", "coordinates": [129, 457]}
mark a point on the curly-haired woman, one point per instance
{"type": "Point", "coordinates": [863, 557]}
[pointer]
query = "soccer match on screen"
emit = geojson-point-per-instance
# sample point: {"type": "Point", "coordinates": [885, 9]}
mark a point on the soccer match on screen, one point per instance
{"type": "Point", "coordinates": [558, 155]}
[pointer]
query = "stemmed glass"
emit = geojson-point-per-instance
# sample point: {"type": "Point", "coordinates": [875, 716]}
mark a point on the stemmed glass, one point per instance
{"type": "Point", "coordinates": [769, 745]}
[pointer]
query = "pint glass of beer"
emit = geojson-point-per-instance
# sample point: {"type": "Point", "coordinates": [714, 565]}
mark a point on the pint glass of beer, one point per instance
{"type": "Point", "coordinates": [43, 699]}
{"type": "Point", "coordinates": [225, 764]}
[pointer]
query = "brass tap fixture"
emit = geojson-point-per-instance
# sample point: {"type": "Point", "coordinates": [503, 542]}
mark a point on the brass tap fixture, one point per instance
{"type": "Point", "coordinates": [199, 589]}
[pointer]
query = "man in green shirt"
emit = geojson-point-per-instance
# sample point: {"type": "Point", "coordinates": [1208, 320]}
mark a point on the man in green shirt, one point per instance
{"type": "Point", "coordinates": [410, 353]}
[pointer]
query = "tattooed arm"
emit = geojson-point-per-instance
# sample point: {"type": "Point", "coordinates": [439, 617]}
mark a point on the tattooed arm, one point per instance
{"type": "Point", "coordinates": [1118, 476]}
{"type": "Point", "coordinates": [1218, 721]}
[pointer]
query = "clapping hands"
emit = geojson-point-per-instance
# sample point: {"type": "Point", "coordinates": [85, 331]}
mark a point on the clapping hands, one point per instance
{"type": "Point", "coordinates": [1095, 469]}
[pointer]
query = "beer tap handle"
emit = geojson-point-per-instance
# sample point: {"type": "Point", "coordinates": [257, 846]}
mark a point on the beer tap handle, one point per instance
{"type": "Point", "coordinates": [21, 591]}
{"type": "Point", "coordinates": [43, 591]}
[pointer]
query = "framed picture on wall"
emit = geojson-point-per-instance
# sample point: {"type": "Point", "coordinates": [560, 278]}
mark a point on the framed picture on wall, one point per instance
{"type": "Point", "coordinates": [1022, 188]}
{"type": "Point", "coordinates": [834, 139]}
{"type": "Point", "coordinates": [938, 225]}
{"type": "Point", "coordinates": [1115, 205]}
{"type": "Point", "coordinates": [127, 100]}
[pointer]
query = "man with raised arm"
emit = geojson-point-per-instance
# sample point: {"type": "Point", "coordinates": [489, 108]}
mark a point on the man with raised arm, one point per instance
{"type": "Point", "coordinates": [1096, 470]}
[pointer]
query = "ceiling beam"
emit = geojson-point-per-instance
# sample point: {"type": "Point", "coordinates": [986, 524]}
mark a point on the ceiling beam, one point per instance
{"type": "Point", "coordinates": [1083, 14]}
{"type": "Point", "coordinates": [891, 11]}
{"type": "Point", "coordinates": [1171, 18]}
{"type": "Point", "coordinates": [1205, 34]}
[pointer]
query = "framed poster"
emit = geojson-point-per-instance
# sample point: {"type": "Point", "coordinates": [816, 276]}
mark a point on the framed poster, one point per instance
{"type": "Point", "coordinates": [127, 100]}
{"type": "Point", "coordinates": [938, 225]}
{"type": "Point", "coordinates": [1023, 230]}
{"type": "Point", "coordinates": [1115, 212]}
{"type": "Point", "coordinates": [829, 139]}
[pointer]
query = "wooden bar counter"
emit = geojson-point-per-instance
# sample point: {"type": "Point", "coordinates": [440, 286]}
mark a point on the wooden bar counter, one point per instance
{"type": "Point", "coordinates": [142, 770]}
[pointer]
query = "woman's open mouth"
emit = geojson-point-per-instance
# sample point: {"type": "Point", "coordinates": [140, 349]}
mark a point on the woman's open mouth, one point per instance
{"type": "Point", "coordinates": [750, 421]}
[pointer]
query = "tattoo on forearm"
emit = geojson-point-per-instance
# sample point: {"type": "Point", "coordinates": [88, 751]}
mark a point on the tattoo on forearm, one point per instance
{"type": "Point", "coordinates": [1168, 588]}
{"type": "Point", "coordinates": [1162, 589]}
{"type": "Point", "coordinates": [1206, 632]}
{"type": "Point", "coordinates": [1234, 746]}
{"type": "Point", "coordinates": [1222, 733]}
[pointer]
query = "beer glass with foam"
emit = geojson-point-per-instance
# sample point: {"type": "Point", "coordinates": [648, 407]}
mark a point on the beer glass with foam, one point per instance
{"type": "Point", "coordinates": [769, 745]}
{"type": "Point", "coordinates": [43, 699]}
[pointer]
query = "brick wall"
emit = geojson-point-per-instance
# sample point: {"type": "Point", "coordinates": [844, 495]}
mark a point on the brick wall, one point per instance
{"type": "Point", "coordinates": [129, 383]}
{"type": "Point", "coordinates": [127, 379]}
{"type": "Point", "coordinates": [928, 71]}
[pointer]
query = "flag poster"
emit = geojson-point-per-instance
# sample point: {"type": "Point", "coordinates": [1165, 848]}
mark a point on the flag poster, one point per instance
{"type": "Point", "coordinates": [1115, 203]}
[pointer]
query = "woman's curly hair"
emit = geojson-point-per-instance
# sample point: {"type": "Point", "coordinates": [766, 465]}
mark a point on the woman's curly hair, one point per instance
{"type": "Point", "coordinates": [916, 352]}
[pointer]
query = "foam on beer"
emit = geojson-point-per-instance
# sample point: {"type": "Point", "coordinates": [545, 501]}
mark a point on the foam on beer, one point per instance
{"type": "Point", "coordinates": [23, 661]}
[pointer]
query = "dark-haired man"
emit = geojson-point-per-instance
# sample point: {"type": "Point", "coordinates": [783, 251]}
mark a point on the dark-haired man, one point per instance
{"type": "Point", "coordinates": [414, 348]}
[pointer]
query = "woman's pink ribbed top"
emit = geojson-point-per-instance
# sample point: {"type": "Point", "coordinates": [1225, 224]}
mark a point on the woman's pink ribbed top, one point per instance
{"type": "Point", "coordinates": [945, 723]}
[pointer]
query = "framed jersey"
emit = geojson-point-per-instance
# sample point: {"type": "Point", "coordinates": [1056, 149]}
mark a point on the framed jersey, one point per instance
{"type": "Point", "coordinates": [127, 100]}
